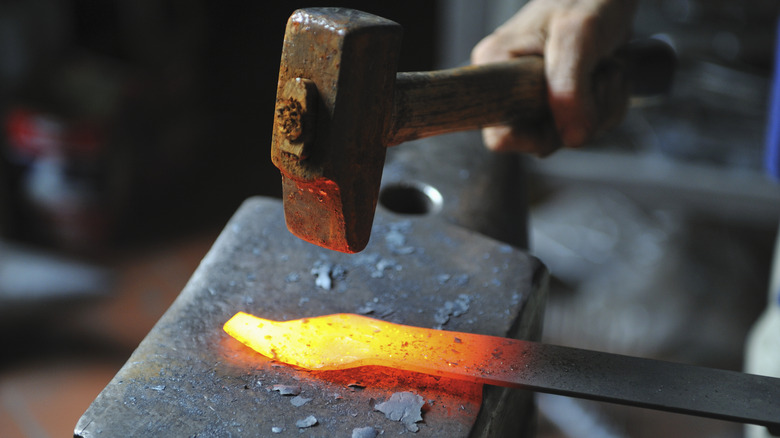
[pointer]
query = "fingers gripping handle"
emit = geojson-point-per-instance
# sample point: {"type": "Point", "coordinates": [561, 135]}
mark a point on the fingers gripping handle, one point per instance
{"type": "Point", "coordinates": [465, 98]}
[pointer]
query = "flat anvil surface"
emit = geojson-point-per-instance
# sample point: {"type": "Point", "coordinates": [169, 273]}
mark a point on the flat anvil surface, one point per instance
{"type": "Point", "coordinates": [189, 378]}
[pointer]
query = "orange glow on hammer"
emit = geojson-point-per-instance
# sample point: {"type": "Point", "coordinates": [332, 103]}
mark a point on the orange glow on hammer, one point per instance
{"type": "Point", "coordinates": [341, 341]}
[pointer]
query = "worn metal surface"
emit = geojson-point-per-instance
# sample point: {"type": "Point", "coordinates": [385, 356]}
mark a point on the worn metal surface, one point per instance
{"type": "Point", "coordinates": [189, 378]}
{"type": "Point", "coordinates": [351, 58]}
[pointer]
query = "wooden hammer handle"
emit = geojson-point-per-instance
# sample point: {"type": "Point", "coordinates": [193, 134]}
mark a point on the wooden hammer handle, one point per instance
{"type": "Point", "coordinates": [515, 91]}
{"type": "Point", "coordinates": [458, 99]}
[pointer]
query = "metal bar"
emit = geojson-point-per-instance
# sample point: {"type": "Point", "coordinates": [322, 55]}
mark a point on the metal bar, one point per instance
{"type": "Point", "coordinates": [342, 341]}
{"type": "Point", "coordinates": [673, 387]}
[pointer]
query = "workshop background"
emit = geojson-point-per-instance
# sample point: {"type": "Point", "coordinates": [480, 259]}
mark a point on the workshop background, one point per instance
{"type": "Point", "coordinates": [131, 130]}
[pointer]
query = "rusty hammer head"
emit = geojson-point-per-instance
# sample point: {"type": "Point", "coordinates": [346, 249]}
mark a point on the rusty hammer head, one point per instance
{"type": "Point", "coordinates": [333, 102]}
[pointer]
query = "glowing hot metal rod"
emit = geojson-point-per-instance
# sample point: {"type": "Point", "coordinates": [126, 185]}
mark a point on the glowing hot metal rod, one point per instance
{"type": "Point", "coordinates": [342, 341]}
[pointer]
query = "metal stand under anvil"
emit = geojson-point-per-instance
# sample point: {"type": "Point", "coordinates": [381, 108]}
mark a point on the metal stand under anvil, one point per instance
{"type": "Point", "coordinates": [189, 378]}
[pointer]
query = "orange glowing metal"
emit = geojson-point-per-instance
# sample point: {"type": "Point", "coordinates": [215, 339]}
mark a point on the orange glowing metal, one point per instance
{"type": "Point", "coordinates": [341, 341]}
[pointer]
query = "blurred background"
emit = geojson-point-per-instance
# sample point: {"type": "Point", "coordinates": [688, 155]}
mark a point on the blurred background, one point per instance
{"type": "Point", "coordinates": [131, 130]}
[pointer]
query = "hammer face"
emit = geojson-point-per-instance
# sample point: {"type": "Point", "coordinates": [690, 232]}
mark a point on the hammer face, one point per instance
{"type": "Point", "coordinates": [330, 193]}
{"type": "Point", "coordinates": [304, 202]}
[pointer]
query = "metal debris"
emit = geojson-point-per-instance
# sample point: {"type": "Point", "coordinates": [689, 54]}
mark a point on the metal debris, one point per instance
{"type": "Point", "coordinates": [460, 280]}
{"type": "Point", "coordinates": [306, 422]}
{"type": "Point", "coordinates": [368, 309]}
{"type": "Point", "coordinates": [325, 273]}
{"type": "Point", "coordinates": [443, 278]}
{"type": "Point", "coordinates": [405, 407]}
{"type": "Point", "coordinates": [452, 308]}
{"type": "Point", "coordinates": [299, 401]}
{"type": "Point", "coordinates": [382, 265]}
{"type": "Point", "coordinates": [366, 258]}
{"type": "Point", "coordinates": [287, 389]}
{"type": "Point", "coordinates": [322, 273]}
{"type": "Point", "coordinates": [396, 239]}
{"type": "Point", "coordinates": [377, 266]}
{"type": "Point", "coordinates": [364, 432]}
{"type": "Point", "coordinates": [372, 307]}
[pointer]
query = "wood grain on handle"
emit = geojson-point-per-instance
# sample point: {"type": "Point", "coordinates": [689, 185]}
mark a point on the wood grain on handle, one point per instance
{"type": "Point", "coordinates": [459, 99]}
{"type": "Point", "coordinates": [510, 92]}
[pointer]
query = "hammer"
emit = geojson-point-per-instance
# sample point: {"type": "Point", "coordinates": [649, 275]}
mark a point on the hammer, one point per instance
{"type": "Point", "coordinates": [340, 103]}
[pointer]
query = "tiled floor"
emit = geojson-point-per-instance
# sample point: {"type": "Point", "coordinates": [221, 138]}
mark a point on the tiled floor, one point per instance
{"type": "Point", "coordinates": [50, 376]}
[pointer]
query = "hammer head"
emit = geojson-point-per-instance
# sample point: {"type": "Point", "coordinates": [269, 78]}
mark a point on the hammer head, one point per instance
{"type": "Point", "coordinates": [333, 105]}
